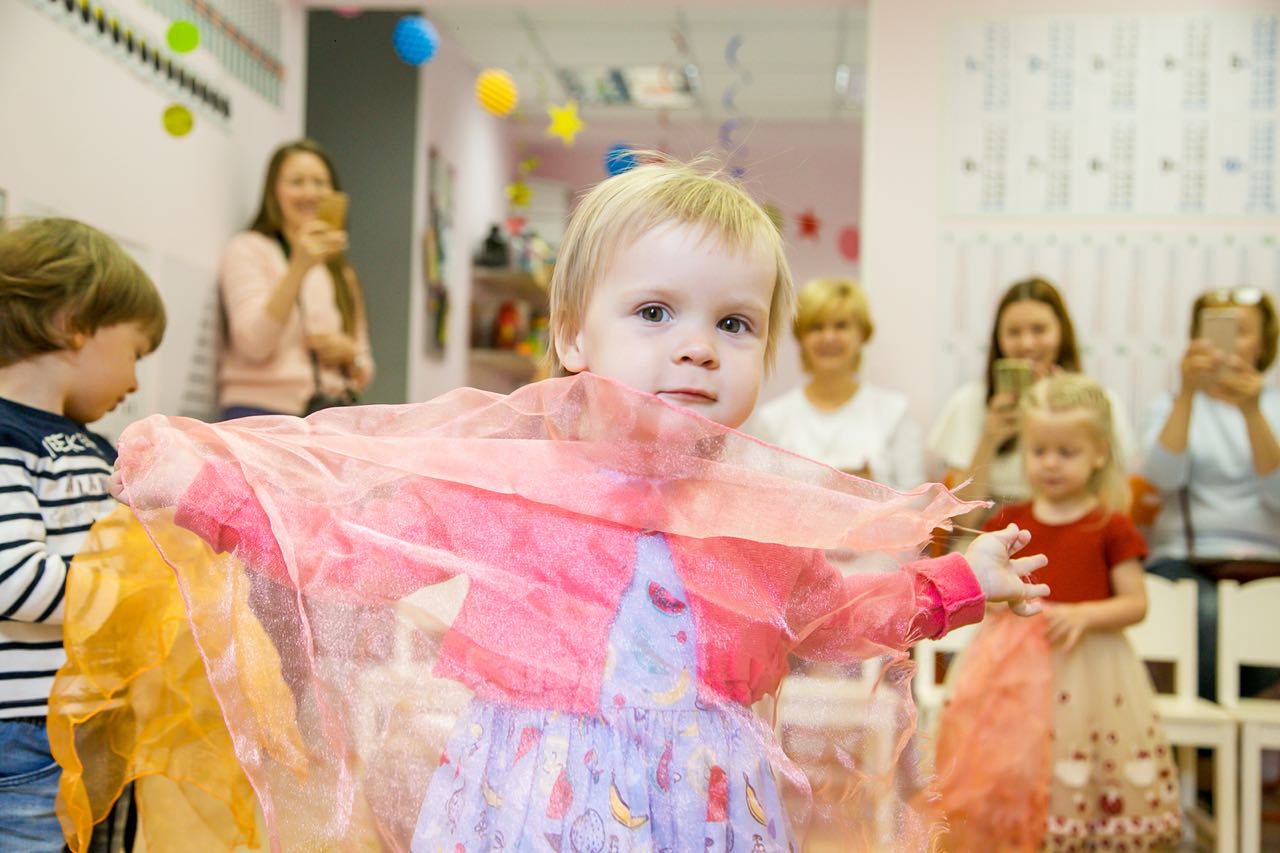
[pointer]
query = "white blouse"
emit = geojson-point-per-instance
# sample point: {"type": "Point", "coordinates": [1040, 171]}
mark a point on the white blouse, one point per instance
{"type": "Point", "coordinates": [873, 429]}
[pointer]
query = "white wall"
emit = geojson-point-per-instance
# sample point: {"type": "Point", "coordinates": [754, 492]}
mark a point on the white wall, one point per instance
{"type": "Point", "coordinates": [904, 220]}
{"type": "Point", "coordinates": [478, 146]}
{"type": "Point", "coordinates": [82, 137]}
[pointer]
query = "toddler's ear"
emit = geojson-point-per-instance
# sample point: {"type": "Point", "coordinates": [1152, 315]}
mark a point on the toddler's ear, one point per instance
{"type": "Point", "coordinates": [72, 338]}
{"type": "Point", "coordinates": [572, 351]}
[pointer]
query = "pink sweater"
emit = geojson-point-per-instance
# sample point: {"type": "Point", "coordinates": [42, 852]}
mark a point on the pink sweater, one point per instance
{"type": "Point", "coordinates": [548, 650]}
{"type": "Point", "coordinates": [265, 364]}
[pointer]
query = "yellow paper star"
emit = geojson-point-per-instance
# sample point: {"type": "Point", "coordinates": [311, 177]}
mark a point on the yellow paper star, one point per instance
{"type": "Point", "coordinates": [519, 194]}
{"type": "Point", "coordinates": [528, 164]}
{"type": "Point", "coordinates": [564, 122]}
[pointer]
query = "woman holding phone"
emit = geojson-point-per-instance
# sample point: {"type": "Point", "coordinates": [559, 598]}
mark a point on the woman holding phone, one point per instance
{"type": "Point", "coordinates": [1211, 450]}
{"type": "Point", "coordinates": [976, 437]}
{"type": "Point", "coordinates": [295, 330]}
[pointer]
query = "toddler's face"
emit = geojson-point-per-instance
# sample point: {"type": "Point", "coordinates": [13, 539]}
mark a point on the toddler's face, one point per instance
{"type": "Point", "coordinates": [679, 316]}
{"type": "Point", "coordinates": [1062, 453]}
{"type": "Point", "coordinates": [104, 365]}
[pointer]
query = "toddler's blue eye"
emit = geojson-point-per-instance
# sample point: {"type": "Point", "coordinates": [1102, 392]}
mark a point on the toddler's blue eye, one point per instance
{"type": "Point", "coordinates": [733, 325]}
{"type": "Point", "coordinates": [653, 313]}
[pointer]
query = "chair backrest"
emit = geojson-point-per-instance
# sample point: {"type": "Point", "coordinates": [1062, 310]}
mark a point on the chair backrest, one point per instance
{"type": "Point", "coordinates": [1168, 634]}
{"type": "Point", "coordinates": [1146, 501]}
{"type": "Point", "coordinates": [928, 691]}
{"type": "Point", "coordinates": [1247, 632]}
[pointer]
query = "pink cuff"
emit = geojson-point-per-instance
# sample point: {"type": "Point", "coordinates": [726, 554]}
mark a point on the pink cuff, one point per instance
{"type": "Point", "coordinates": [218, 507]}
{"type": "Point", "coordinates": [205, 507]}
{"type": "Point", "coordinates": [948, 594]}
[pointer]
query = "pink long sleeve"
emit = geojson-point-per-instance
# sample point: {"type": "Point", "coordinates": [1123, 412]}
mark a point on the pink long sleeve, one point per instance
{"type": "Point", "coordinates": [946, 595]}
{"type": "Point", "coordinates": [340, 549]}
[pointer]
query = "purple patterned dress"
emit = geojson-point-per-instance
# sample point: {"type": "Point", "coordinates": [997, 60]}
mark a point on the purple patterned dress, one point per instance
{"type": "Point", "coordinates": [653, 769]}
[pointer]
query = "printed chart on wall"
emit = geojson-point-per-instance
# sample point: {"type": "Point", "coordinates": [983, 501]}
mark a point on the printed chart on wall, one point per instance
{"type": "Point", "coordinates": [1130, 295]}
{"type": "Point", "coordinates": [1111, 115]}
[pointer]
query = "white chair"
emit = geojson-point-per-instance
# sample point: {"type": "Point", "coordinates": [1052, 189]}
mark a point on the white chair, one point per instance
{"type": "Point", "coordinates": [822, 708]}
{"type": "Point", "coordinates": [929, 693]}
{"type": "Point", "coordinates": [1248, 635]}
{"type": "Point", "coordinates": [1168, 635]}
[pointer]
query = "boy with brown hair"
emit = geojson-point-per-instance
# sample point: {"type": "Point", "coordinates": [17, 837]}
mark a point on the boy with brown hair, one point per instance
{"type": "Point", "coordinates": [76, 314]}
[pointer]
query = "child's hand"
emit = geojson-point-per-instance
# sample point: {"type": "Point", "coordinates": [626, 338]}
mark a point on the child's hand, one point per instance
{"type": "Point", "coordinates": [115, 486]}
{"type": "Point", "coordinates": [1067, 624]}
{"type": "Point", "coordinates": [1001, 576]}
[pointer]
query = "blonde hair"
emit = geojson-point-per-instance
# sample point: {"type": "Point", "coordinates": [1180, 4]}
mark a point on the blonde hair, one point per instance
{"type": "Point", "coordinates": [823, 299]}
{"type": "Point", "coordinates": [1069, 393]}
{"type": "Point", "coordinates": [59, 277]}
{"type": "Point", "coordinates": [617, 211]}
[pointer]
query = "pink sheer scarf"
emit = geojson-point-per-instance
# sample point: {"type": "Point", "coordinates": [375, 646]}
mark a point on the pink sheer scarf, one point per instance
{"type": "Point", "coordinates": [400, 558]}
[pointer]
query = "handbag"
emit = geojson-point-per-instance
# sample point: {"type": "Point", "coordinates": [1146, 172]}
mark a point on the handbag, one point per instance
{"type": "Point", "coordinates": [320, 400]}
{"type": "Point", "coordinates": [1241, 571]}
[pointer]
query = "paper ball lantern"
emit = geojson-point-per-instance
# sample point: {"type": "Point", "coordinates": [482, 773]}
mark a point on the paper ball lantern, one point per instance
{"type": "Point", "coordinates": [415, 39]}
{"type": "Point", "coordinates": [496, 91]}
{"type": "Point", "coordinates": [619, 158]}
{"type": "Point", "coordinates": [850, 243]}
{"type": "Point", "coordinates": [178, 120]}
{"type": "Point", "coordinates": [183, 36]}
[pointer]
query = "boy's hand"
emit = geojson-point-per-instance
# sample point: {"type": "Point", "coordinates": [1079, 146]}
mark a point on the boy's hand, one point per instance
{"type": "Point", "coordinates": [115, 487]}
{"type": "Point", "coordinates": [1067, 624]}
{"type": "Point", "coordinates": [1001, 576]}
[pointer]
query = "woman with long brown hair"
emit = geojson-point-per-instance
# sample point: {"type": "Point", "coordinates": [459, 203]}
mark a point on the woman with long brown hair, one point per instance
{"type": "Point", "coordinates": [296, 334]}
{"type": "Point", "coordinates": [976, 437]}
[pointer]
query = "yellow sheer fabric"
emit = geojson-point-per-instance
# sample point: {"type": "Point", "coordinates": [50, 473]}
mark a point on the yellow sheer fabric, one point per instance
{"type": "Point", "coordinates": [133, 702]}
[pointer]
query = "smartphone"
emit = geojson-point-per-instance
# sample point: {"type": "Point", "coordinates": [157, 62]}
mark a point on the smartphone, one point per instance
{"type": "Point", "coordinates": [332, 209]}
{"type": "Point", "coordinates": [1013, 376]}
{"type": "Point", "coordinates": [1220, 326]}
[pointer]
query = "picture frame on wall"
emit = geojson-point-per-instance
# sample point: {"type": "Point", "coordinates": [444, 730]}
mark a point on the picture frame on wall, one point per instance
{"type": "Point", "coordinates": [435, 249]}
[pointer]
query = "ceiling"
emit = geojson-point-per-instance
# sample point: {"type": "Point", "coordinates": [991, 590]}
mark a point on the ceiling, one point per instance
{"type": "Point", "coordinates": [787, 64]}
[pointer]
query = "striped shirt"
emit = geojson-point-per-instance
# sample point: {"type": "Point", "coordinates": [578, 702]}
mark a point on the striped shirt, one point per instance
{"type": "Point", "coordinates": [53, 487]}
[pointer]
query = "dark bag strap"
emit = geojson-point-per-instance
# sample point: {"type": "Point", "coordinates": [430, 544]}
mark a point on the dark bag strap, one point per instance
{"type": "Point", "coordinates": [1188, 535]}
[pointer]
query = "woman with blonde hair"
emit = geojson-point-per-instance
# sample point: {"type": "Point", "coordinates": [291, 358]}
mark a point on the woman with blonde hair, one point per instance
{"type": "Point", "coordinates": [837, 418]}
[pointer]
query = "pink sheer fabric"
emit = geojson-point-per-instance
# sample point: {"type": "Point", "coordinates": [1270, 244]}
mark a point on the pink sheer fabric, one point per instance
{"type": "Point", "coordinates": [405, 559]}
{"type": "Point", "coordinates": [994, 752]}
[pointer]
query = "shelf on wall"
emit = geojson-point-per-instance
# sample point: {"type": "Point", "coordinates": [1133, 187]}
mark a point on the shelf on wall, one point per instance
{"type": "Point", "coordinates": [504, 361]}
{"type": "Point", "coordinates": [513, 284]}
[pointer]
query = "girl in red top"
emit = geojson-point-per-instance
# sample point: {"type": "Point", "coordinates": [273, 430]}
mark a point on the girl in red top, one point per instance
{"type": "Point", "coordinates": [1093, 769]}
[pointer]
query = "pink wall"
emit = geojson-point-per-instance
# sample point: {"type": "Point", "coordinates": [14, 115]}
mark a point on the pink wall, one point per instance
{"type": "Point", "coordinates": [796, 166]}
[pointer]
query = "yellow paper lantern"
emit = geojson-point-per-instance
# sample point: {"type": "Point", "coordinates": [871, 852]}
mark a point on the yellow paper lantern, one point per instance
{"type": "Point", "coordinates": [496, 91]}
{"type": "Point", "coordinates": [178, 120]}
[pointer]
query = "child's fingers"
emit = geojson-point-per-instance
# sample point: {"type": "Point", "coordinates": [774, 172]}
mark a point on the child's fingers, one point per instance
{"type": "Point", "coordinates": [115, 486]}
{"type": "Point", "coordinates": [1023, 566]}
{"type": "Point", "coordinates": [1035, 590]}
{"type": "Point", "coordinates": [1026, 608]}
{"type": "Point", "coordinates": [1013, 538]}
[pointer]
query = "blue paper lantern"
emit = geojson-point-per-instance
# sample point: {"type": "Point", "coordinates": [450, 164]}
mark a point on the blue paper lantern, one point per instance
{"type": "Point", "coordinates": [415, 39]}
{"type": "Point", "coordinates": [619, 158]}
